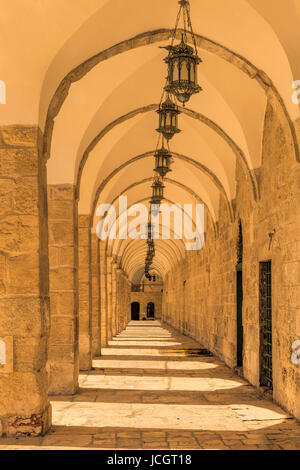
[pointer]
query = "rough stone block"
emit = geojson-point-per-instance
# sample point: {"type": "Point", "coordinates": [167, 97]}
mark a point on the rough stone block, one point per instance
{"type": "Point", "coordinates": [24, 271]}
{"type": "Point", "coordinates": [30, 353]}
{"type": "Point", "coordinates": [26, 198]}
{"type": "Point", "coordinates": [61, 209]}
{"type": "Point", "coordinates": [19, 136]}
{"type": "Point", "coordinates": [63, 379]}
{"type": "Point", "coordinates": [22, 314]}
{"type": "Point", "coordinates": [62, 331]}
{"type": "Point", "coordinates": [6, 204]}
{"type": "Point", "coordinates": [61, 233]}
{"type": "Point", "coordinates": [67, 256]}
{"type": "Point", "coordinates": [23, 393]}
{"type": "Point", "coordinates": [62, 353]}
{"type": "Point", "coordinates": [18, 162]}
{"type": "Point", "coordinates": [62, 279]}
{"type": "Point", "coordinates": [62, 192]}
{"type": "Point", "coordinates": [83, 237]}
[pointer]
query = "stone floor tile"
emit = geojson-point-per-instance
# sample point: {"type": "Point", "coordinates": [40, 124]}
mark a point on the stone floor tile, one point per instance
{"type": "Point", "coordinates": [143, 397]}
{"type": "Point", "coordinates": [67, 440]}
{"type": "Point", "coordinates": [154, 445]}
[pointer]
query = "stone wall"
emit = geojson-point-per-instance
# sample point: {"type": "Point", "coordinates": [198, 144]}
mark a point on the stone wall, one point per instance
{"type": "Point", "coordinates": [114, 298]}
{"type": "Point", "coordinates": [95, 279]}
{"type": "Point", "coordinates": [109, 261]}
{"type": "Point", "coordinates": [85, 292]}
{"type": "Point", "coordinates": [200, 294]}
{"type": "Point", "coordinates": [103, 294]}
{"type": "Point", "coordinates": [144, 298]}
{"type": "Point", "coordinates": [123, 300]}
{"type": "Point", "coordinates": [24, 284]}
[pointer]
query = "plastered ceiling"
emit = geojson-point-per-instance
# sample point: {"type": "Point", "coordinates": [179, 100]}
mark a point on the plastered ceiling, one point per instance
{"type": "Point", "coordinates": [103, 130]}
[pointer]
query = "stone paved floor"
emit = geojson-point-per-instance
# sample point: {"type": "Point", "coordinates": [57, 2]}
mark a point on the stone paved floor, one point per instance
{"type": "Point", "coordinates": [145, 394]}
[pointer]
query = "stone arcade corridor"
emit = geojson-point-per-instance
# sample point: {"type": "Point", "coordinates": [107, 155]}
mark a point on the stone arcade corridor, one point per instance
{"type": "Point", "coordinates": [141, 395]}
{"type": "Point", "coordinates": [91, 92]}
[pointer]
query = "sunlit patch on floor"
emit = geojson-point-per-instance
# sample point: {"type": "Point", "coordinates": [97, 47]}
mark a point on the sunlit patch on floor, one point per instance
{"type": "Point", "coordinates": [127, 382]}
{"type": "Point", "coordinates": [160, 416]}
{"type": "Point", "coordinates": [139, 364]}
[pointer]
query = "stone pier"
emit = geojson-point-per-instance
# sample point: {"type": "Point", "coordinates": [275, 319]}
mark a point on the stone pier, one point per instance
{"type": "Point", "coordinates": [24, 284]}
{"type": "Point", "coordinates": [85, 306]}
{"type": "Point", "coordinates": [63, 256]}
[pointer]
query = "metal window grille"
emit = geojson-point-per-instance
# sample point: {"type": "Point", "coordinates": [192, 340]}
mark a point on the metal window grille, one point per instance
{"type": "Point", "coordinates": [266, 323]}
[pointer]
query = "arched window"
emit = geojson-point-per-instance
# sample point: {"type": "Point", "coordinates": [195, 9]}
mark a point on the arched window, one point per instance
{"type": "Point", "coordinates": [150, 310]}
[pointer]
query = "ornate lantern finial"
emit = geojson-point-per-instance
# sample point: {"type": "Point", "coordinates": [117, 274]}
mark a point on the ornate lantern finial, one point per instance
{"type": "Point", "coordinates": [168, 118]}
{"type": "Point", "coordinates": [163, 160]}
{"type": "Point", "coordinates": [183, 60]}
{"type": "Point", "coordinates": [157, 192]}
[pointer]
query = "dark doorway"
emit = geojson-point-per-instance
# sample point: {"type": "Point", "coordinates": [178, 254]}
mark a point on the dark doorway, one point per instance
{"type": "Point", "coordinates": [150, 310]}
{"type": "Point", "coordinates": [135, 311]}
{"type": "Point", "coordinates": [265, 311]}
{"type": "Point", "coordinates": [239, 299]}
{"type": "Point", "coordinates": [239, 319]}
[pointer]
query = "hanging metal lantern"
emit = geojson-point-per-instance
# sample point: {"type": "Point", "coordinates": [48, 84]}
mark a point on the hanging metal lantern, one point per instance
{"type": "Point", "coordinates": [182, 71]}
{"type": "Point", "coordinates": [168, 119]}
{"type": "Point", "coordinates": [157, 192]}
{"type": "Point", "coordinates": [183, 59]}
{"type": "Point", "coordinates": [163, 160]}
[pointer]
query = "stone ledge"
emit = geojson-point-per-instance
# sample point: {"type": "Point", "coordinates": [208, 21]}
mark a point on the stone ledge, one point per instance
{"type": "Point", "coordinates": [20, 136]}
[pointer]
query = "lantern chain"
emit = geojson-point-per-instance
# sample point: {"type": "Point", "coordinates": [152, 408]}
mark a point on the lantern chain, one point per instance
{"type": "Point", "coordinates": [158, 180]}
{"type": "Point", "coordinates": [191, 27]}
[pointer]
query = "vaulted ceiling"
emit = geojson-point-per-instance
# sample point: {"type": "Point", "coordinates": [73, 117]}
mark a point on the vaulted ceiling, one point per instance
{"type": "Point", "coordinates": [90, 73]}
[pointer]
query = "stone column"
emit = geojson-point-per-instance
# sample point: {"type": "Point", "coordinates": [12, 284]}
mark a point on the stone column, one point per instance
{"type": "Point", "coordinates": [109, 297]}
{"type": "Point", "coordinates": [114, 298]}
{"type": "Point", "coordinates": [95, 274]}
{"type": "Point", "coordinates": [119, 294]}
{"type": "Point", "coordinates": [103, 294]}
{"type": "Point", "coordinates": [24, 284]}
{"type": "Point", "coordinates": [84, 277]}
{"type": "Point", "coordinates": [123, 300]}
{"type": "Point", "coordinates": [63, 347]}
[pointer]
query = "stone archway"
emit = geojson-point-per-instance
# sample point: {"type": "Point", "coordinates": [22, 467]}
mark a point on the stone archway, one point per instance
{"type": "Point", "coordinates": [135, 311]}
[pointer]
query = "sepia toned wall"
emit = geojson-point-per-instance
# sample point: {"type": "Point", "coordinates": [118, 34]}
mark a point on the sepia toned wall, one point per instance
{"type": "Point", "coordinates": [144, 298]}
{"type": "Point", "coordinates": [123, 300]}
{"type": "Point", "coordinates": [24, 284]}
{"type": "Point", "coordinates": [200, 293]}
